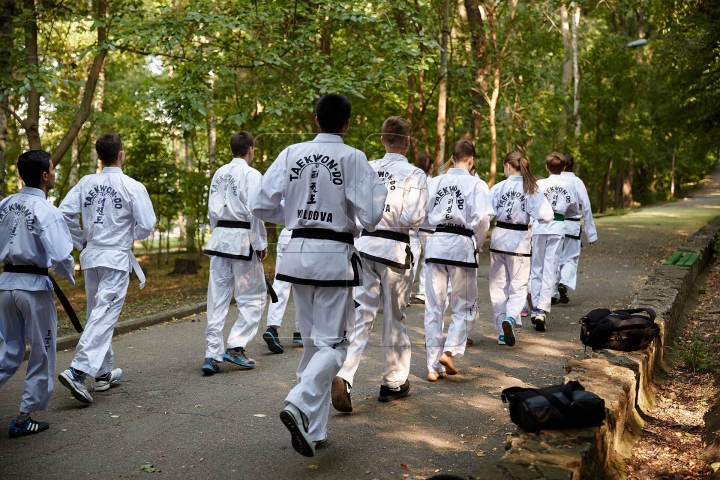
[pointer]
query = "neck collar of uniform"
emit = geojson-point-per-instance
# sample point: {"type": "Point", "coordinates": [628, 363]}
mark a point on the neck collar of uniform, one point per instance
{"type": "Point", "coordinates": [395, 157]}
{"type": "Point", "coordinates": [33, 191]}
{"type": "Point", "coordinates": [111, 170]}
{"type": "Point", "coordinates": [457, 171]}
{"type": "Point", "coordinates": [239, 161]}
{"type": "Point", "coordinates": [329, 138]}
{"type": "Point", "coordinates": [515, 178]}
{"type": "Point", "coordinates": [567, 174]}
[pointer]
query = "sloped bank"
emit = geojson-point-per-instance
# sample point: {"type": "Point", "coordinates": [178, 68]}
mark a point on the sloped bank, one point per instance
{"type": "Point", "coordinates": [623, 380]}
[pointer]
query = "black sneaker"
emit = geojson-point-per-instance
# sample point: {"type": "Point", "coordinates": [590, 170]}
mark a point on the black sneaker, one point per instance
{"type": "Point", "coordinates": [388, 394]}
{"type": "Point", "coordinates": [340, 395]}
{"type": "Point", "coordinates": [297, 339]}
{"type": "Point", "coordinates": [562, 290]}
{"type": "Point", "coordinates": [210, 366]}
{"type": "Point", "coordinates": [554, 301]}
{"type": "Point", "coordinates": [540, 321]}
{"type": "Point", "coordinates": [237, 356]}
{"type": "Point", "coordinates": [273, 341]}
{"type": "Point", "coordinates": [25, 425]}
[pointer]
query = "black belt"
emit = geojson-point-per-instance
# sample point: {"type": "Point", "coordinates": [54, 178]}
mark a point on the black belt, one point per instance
{"type": "Point", "coordinates": [574, 237]}
{"type": "Point", "coordinates": [512, 254]}
{"type": "Point", "coordinates": [31, 269]}
{"type": "Point", "coordinates": [233, 224]}
{"type": "Point", "coordinates": [521, 227]}
{"type": "Point", "coordinates": [573, 219]}
{"type": "Point", "coordinates": [426, 230]}
{"type": "Point", "coordinates": [389, 234]}
{"type": "Point", "coordinates": [323, 234]}
{"type": "Point", "coordinates": [454, 230]}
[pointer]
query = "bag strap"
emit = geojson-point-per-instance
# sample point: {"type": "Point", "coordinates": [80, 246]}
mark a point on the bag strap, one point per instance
{"type": "Point", "coordinates": [649, 311]}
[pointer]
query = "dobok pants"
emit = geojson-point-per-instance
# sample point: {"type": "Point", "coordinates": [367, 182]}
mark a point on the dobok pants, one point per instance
{"type": "Point", "coordinates": [567, 271]}
{"type": "Point", "coordinates": [32, 314]}
{"type": "Point", "coordinates": [246, 279]}
{"type": "Point", "coordinates": [509, 276]}
{"type": "Point", "coordinates": [392, 286]}
{"type": "Point", "coordinates": [463, 302]}
{"type": "Point", "coordinates": [105, 289]}
{"type": "Point", "coordinates": [546, 251]}
{"type": "Point", "coordinates": [325, 317]}
{"type": "Point", "coordinates": [276, 311]}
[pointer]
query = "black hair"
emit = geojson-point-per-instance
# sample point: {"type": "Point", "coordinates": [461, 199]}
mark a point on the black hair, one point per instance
{"type": "Point", "coordinates": [241, 142]}
{"type": "Point", "coordinates": [108, 146]}
{"type": "Point", "coordinates": [31, 166]}
{"type": "Point", "coordinates": [569, 162]}
{"type": "Point", "coordinates": [333, 110]}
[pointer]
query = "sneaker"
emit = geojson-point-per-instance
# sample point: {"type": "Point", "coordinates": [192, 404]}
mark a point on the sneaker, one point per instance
{"type": "Point", "coordinates": [501, 340]}
{"type": "Point", "coordinates": [509, 332]}
{"type": "Point", "coordinates": [534, 314]}
{"type": "Point", "coordinates": [297, 339]}
{"type": "Point", "coordinates": [562, 290]}
{"type": "Point", "coordinates": [103, 382]}
{"type": "Point", "coordinates": [296, 422]}
{"type": "Point", "coordinates": [554, 300]}
{"type": "Point", "coordinates": [409, 303]}
{"type": "Point", "coordinates": [210, 366]}
{"type": "Point", "coordinates": [524, 312]}
{"type": "Point", "coordinates": [469, 342]}
{"type": "Point", "coordinates": [76, 384]}
{"type": "Point", "coordinates": [25, 425]}
{"type": "Point", "coordinates": [340, 395]}
{"type": "Point", "coordinates": [540, 321]}
{"type": "Point", "coordinates": [388, 394]}
{"type": "Point", "coordinates": [420, 297]}
{"type": "Point", "coordinates": [237, 356]}
{"type": "Point", "coordinates": [273, 341]}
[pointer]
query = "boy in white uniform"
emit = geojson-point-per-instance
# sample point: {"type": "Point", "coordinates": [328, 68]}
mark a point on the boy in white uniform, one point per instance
{"type": "Point", "coordinates": [514, 203]}
{"type": "Point", "coordinates": [567, 270]}
{"type": "Point", "coordinates": [387, 270]}
{"type": "Point", "coordinates": [116, 211]}
{"type": "Point", "coordinates": [459, 212]}
{"type": "Point", "coordinates": [33, 238]}
{"type": "Point", "coordinates": [276, 310]}
{"type": "Point", "coordinates": [236, 248]}
{"type": "Point", "coordinates": [547, 239]}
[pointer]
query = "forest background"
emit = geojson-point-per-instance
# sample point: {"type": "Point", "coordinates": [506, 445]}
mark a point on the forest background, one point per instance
{"type": "Point", "coordinates": [631, 88]}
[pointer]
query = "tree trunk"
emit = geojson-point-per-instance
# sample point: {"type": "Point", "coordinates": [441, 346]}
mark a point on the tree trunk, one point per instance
{"type": "Point", "coordinates": [672, 178]}
{"type": "Point", "coordinates": [421, 120]}
{"type": "Point", "coordinates": [606, 186]}
{"type": "Point", "coordinates": [492, 104]}
{"type": "Point", "coordinates": [576, 74]}
{"type": "Point", "coordinates": [565, 33]}
{"type": "Point", "coordinates": [641, 33]}
{"type": "Point", "coordinates": [32, 121]}
{"type": "Point", "coordinates": [442, 91]}
{"type": "Point", "coordinates": [6, 30]}
{"type": "Point", "coordinates": [211, 129]}
{"type": "Point", "coordinates": [74, 164]}
{"type": "Point", "coordinates": [627, 198]}
{"type": "Point", "coordinates": [3, 143]}
{"type": "Point", "coordinates": [98, 108]}
{"type": "Point", "coordinates": [618, 189]}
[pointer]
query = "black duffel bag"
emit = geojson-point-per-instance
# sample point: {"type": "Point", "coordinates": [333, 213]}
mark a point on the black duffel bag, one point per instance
{"type": "Point", "coordinates": [627, 330]}
{"type": "Point", "coordinates": [554, 408]}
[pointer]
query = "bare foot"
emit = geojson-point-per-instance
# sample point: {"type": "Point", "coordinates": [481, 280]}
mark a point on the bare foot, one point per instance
{"type": "Point", "coordinates": [435, 376]}
{"type": "Point", "coordinates": [447, 361]}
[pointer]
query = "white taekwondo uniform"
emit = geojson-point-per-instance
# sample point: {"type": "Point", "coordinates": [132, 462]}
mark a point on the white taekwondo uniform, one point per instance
{"type": "Point", "coordinates": [567, 271]}
{"type": "Point", "coordinates": [276, 310]}
{"type": "Point", "coordinates": [547, 239]}
{"type": "Point", "coordinates": [387, 270]}
{"type": "Point", "coordinates": [326, 185]}
{"type": "Point", "coordinates": [116, 210]}
{"type": "Point", "coordinates": [418, 243]}
{"type": "Point", "coordinates": [234, 266]}
{"type": "Point", "coordinates": [510, 246]}
{"type": "Point", "coordinates": [32, 234]}
{"type": "Point", "coordinates": [459, 211]}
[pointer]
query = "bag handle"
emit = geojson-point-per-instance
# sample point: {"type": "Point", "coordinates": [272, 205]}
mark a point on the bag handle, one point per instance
{"type": "Point", "coordinates": [649, 311]}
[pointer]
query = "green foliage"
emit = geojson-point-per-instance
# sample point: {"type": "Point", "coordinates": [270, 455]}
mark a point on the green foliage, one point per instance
{"type": "Point", "coordinates": [697, 356]}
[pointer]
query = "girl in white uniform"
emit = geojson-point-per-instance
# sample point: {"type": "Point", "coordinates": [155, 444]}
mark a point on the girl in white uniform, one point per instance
{"type": "Point", "coordinates": [419, 238]}
{"type": "Point", "coordinates": [514, 203]}
{"type": "Point", "coordinates": [459, 212]}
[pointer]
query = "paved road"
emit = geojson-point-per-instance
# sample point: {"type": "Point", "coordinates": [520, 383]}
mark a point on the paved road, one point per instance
{"type": "Point", "coordinates": [166, 413]}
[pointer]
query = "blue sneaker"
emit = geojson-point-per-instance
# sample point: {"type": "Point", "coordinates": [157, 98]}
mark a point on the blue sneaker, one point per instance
{"type": "Point", "coordinates": [509, 332]}
{"type": "Point", "coordinates": [501, 340]}
{"type": "Point", "coordinates": [534, 313]}
{"type": "Point", "coordinates": [26, 426]}
{"type": "Point", "coordinates": [210, 366]}
{"type": "Point", "coordinates": [237, 356]}
{"type": "Point", "coordinates": [273, 341]}
{"type": "Point", "coordinates": [76, 384]}
{"type": "Point", "coordinates": [297, 339]}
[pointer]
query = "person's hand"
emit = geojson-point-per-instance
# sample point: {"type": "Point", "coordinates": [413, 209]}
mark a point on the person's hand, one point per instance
{"type": "Point", "coordinates": [262, 254]}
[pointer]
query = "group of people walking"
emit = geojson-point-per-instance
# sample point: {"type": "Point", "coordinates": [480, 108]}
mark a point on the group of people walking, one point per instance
{"type": "Point", "coordinates": [354, 233]}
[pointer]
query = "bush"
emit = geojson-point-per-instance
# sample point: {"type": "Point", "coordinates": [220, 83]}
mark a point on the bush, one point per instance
{"type": "Point", "coordinates": [697, 357]}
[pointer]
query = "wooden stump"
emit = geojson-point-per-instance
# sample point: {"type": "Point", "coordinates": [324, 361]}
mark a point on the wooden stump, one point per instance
{"type": "Point", "coordinates": [186, 266]}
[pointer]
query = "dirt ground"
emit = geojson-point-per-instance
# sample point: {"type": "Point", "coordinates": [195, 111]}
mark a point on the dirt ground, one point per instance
{"type": "Point", "coordinates": [671, 439]}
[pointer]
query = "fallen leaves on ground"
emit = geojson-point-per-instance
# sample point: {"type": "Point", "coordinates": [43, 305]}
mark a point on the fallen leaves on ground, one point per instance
{"type": "Point", "coordinates": [147, 467]}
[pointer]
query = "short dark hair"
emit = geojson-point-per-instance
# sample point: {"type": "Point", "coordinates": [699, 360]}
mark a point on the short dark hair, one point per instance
{"type": "Point", "coordinates": [108, 146]}
{"type": "Point", "coordinates": [555, 163]}
{"type": "Point", "coordinates": [333, 110]}
{"type": "Point", "coordinates": [31, 166]}
{"type": "Point", "coordinates": [462, 149]}
{"type": "Point", "coordinates": [394, 130]}
{"type": "Point", "coordinates": [241, 142]}
{"type": "Point", "coordinates": [569, 162]}
{"type": "Point", "coordinates": [424, 161]}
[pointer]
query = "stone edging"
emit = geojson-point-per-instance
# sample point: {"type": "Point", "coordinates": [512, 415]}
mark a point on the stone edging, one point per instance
{"type": "Point", "coordinates": [622, 379]}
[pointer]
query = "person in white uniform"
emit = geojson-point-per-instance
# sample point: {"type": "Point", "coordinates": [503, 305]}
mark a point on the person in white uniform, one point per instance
{"type": "Point", "coordinates": [116, 211]}
{"type": "Point", "coordinates": [326, 186]}
{"type": "Point", "coordinates": [237, 247]}
{"type": "Point", "coordinates": [459, 212]}
{"type": "Point", "coordinates": [387, 270]}
{"type": "Point", "coordinates": [276, 310]}
{"type": "Point", "coordinates": [514, 202]}
{"type": "Point", "coordinates": [33, 238]}
{"type": "Point", "coordinates": [419, 238]}
{"type": "Point", "coordinates": [567, 270]}
{"type": "Point", "coordinates": [547, 239]}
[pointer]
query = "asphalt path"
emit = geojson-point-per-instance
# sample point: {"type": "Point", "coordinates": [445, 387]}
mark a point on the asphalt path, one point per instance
{"type": "Point", "coordinates": [166, 414]}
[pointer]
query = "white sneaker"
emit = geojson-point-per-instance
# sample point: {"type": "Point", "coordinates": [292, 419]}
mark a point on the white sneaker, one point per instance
{"type": "Point", "coordinates": [76, 384]}
{"type": "Point", "coordinates": [103, 382]}
{"type": "Point", "coordinates": [420, 297]}
{"type": "Point", "coordinates": [296, 422]}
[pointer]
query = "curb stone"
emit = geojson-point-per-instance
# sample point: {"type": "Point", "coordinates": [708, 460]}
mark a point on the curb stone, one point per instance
{"type": "Point", "coordinates": [622, 379]}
